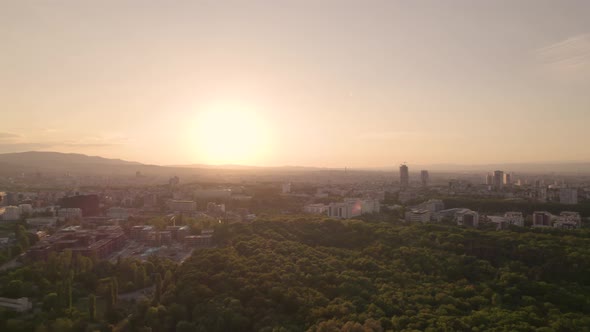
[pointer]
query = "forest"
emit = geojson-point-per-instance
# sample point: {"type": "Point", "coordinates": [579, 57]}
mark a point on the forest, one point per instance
{"type": "Point", "coordinates": [304, 274]}
{"type": "Point", "coordinates": [318, 274]}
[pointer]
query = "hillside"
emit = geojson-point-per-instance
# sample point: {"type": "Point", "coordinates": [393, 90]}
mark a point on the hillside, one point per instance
{"type": "Point", "coordinates": [57, 159]}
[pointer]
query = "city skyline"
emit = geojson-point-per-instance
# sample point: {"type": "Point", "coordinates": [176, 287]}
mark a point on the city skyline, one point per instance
{"type": "Point", "coordinates": [359, 84]}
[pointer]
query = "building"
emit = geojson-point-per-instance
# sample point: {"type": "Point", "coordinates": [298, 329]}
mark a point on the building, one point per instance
{"type": "Point", "coordinates": [11, 213]}
{"type": "Point", "coordinates": [69, 213]}
{"type": "Point", "coordinates": [315, 208]}
{"type": "Point", "coordinates": [89, 204]}
{"type": "Point", "coordinates": [490, 179]}
{"type": "Point", "coordinates": [215, 208]}
{"type": "Point", "coordinates": [26, 209]}
{"type": "Point", "coordinates": [418, 215]}
{"type": "Point", "coordinates": [182, 206]}
{"type": "Point", "coordinates": [514, 218]}
{"type": "Point", "coordinates": [568, 196]}
{"type": "Point", "coordinates": [568, 220]}
{"type": "Point", "coordinates": [425, 177]}
{"type": "Point", "coordinates": [212, 194]}
{"type": "Point", "coordinates": [467, 218]}
{"type": "Point", "coordinates": [118, 213]}
{"type": "Point", "coordinates": [404, 176]}
{"type": "Point", "coordinates": [140, 233]}
{"type": "Point", "coordinates": [498, 182]}
{"type": "Point", "coordinates": [432, 205]}
{"type": "Point", "coordinates": [508, 179]}
{"type": "Point", "coordinates": [100, 242]}
{"type": "Point", "coordinates": [351, 208]}
{"type": "Point", "coordinates": [178, 233]}
{"type": "Point", "coordinates": [19, 305]}
{"type": "Point", "coordinates": [542, 219]}
{"type": "Point", "coordinates": [286, 188]}
{"type": "Point", "coordinates": [202, 241]}
{"type": "Point", "coordinates": [39, 222]}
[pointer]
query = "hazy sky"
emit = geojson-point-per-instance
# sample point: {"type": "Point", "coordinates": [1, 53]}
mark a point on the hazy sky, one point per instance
{"type": "Point", "coordinates": [324, 83]}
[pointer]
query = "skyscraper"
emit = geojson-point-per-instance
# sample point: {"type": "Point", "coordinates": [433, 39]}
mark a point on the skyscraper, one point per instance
{"type": "Point", "coordinates": [425, 177]}
{"type": "Point", "coordinates": [498, 180]}
{"type": "Point", "coordinates": [490, 179]}
{"type": "Point", "coordinates": [404, 176]}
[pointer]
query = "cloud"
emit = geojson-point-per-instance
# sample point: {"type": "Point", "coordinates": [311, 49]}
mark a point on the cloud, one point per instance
{"type": "Point", "coordinates": [18, 143]}
{"type": "Point", "coordinates": [387, 135]}
{"type": "Point", "coordinates": [8, 137]}
{"type": "Point", "coordinates": [570, 56]}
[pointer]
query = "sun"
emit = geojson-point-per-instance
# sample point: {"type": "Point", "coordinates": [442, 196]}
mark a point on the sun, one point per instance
{"type": "Point", "coordinates": [231, 134]}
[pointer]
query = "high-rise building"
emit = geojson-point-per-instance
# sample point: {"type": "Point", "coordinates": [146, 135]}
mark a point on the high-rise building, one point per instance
{"type": "Point", "coordinates": [404, 176]}
{"type": "Point", "coordinates": [568, 196]}
{"type": "Point", "coordinates": [508, 179]}
{"type": "Point", "coordinates": [498, 180]}
{"type": "Point", "coordinates": [425, 177]}
{"type": "Point", "coordinates": [490, 179]}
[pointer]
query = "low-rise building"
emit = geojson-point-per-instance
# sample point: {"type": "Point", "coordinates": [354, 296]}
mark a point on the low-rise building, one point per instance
{"type": "Point", "coordinates": [11, 213]}
{"type": "Point", "coordinates": [514, 218]}
{"type": "Point", "coordinates": [318, 208]}
{"type": "Point", "coordinates": [69, 213]}
{"type": "Point", "coordinates": [418, 215]}
{"type": "Point", "coordinates": [116, 212]}
{"type": "Point", "coordinates": [99, 242]}
{"type": "Point", "coordinates": [351, 208]}
{"type": "Point", "coordinates": [182, 206]}
{"type": "Point", "coordinates": [178, 233]}
{"type": "Point", "coordinates": [568, 220]}
{"type": "Point", "coordinates": [203, 240]}
{"type": "Point", "coordinates": [41, 222]}
{"type": "Point", "coordinates": [20, 305]}
{"type": "Point", "coordinates": [140, 232]}
{"type": "Point", "coordinates": [467, 218]}
{"type": "Point", "coordinates": [542, 219]}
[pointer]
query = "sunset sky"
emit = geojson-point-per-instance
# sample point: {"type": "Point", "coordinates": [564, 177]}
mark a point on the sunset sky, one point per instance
{"type": "Point", "coordinates": [313, 83]}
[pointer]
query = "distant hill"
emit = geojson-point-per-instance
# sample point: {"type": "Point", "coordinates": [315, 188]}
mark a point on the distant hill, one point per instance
{"type": "Point", "coordinates": [43, 158]}
{"type": "Point", "coordinates": [57, 162]}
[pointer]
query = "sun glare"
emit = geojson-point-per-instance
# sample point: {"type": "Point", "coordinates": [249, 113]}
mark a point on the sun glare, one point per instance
{"type": "Point", "coordinates": [230, 134]}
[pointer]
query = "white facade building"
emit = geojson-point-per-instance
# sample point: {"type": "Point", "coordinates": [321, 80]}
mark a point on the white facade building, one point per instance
{"type": "Point", "coordinates": [11, 213]}
{"type": "Point", "coordinates": [568, 220]}
{"type": "Point", "coordinates": [315, 208]}
{"type": "Point", "coordinates": [351, 208]}
{"type": "Point", "coordinates": [514, 218]}
{"type": "Point", "coordinates": [42, 221]}
{"type": "Point", "coordinates": [418, 215]}
{"type": "Point", "coordinates": [69, 213]}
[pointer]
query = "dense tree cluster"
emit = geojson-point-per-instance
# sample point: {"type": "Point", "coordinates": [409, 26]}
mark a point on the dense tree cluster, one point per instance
{"type": "Point", "coordinates": [329, 275]}
{"type": "Point", "coordinates": [313, 274]}
{"type": "Point", "coordinates": [72, 292]}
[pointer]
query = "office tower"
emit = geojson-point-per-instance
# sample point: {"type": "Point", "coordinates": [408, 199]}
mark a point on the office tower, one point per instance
{"type": "Point", "coordinates": [498, 180]}
{"type": "Point", "coordinates": [425, 177]}
{"type": "Point", "coordinates": [404, 176]}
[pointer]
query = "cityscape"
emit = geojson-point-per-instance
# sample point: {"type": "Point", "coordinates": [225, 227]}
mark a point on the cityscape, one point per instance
{"type": "Point", "coordinates": [294, 166]}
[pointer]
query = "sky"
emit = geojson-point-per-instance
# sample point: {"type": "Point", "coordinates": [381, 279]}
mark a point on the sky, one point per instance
{"type": "Point", "coordinates": [302, 82]}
